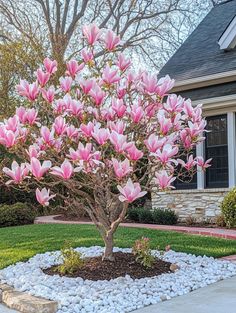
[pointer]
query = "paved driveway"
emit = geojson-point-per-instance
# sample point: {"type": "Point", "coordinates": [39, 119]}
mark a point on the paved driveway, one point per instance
{"type": "Point", "coordinates": [216, 298]}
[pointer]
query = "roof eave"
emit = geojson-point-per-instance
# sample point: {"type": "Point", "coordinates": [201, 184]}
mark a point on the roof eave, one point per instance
{"type": "Point", "coordinates": [204, 81]}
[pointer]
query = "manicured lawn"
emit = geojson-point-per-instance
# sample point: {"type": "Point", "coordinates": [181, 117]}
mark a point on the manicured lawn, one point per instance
{"type": "Point", "coordinates": [21, 243]}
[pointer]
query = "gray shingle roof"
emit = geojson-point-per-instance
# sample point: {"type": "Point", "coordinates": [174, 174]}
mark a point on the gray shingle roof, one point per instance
{"type": "Point", "coordinates": [200, 54]}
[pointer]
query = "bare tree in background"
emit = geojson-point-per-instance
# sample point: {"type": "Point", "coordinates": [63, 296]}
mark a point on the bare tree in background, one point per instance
{"type": "Point", "coordinates": [153, 28]}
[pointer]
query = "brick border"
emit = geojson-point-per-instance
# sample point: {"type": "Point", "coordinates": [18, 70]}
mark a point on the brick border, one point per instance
{"type": "Point", "coordinates": [212, 232]}
{"type": "Point", "coordinates": [24, 302]}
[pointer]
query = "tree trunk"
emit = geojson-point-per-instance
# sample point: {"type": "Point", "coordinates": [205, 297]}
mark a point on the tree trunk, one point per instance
{"type": "Point", "coordinates": [59, 45]}
{"type": "Point", "coordinates": [108, 253]}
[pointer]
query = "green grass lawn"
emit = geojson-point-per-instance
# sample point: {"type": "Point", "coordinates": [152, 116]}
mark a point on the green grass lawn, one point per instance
{"type": "Point", "coordinates": [21, 243]}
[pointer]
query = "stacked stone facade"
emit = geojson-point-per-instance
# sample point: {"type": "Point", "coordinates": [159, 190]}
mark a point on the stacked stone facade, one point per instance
{"type": "Point", "coordinates": [201, 204]}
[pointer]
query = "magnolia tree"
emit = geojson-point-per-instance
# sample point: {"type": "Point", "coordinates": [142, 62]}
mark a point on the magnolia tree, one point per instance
{"type": "Point", "coordinates": [106, 134]}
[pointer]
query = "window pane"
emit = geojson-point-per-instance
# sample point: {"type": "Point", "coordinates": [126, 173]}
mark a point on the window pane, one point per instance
{"type": "Point", "coordinates": [216, 147]}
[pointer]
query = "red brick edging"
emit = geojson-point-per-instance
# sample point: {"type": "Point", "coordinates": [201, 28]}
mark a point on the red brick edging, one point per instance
{"type": "Point", "coordinates": [213, 232]}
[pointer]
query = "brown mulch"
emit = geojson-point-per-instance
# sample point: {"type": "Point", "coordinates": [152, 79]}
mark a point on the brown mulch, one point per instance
{"type": "Point", "coordinates": [125, 264]}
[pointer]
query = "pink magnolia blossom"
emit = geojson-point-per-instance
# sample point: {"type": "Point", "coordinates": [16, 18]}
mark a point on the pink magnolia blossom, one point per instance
{"type": "Point", "coordinates": [149, 83]}
{"type": "Point", "coordinates": [195, 129]}
{"type": "Point", "coordinates": [121, 92]}
{"type": "Point", "coordinates": [12, 123]}
{"type": "Point", "coordinates": [72, 132]}
{"type": "Point", "coordinates": [33, 151]}
{"type": "Point", "coordinates": [119, 141]}
{"type": "Point", "coordinates": [87, 55]}
{"type": "Point", "coordinates": [165, 84]}
{"type": "Point", "coordinates": [43, 196]}
{"type": "Point", "coordinates": [122, 62]}
{"type": "Point", "coordinates": [31, 116]}
{"type": "Point", "coordinates": [66, 102]}
{"type": "Point", "coordinates": [88, 129]}
{"type": "Point", "coordinates": [17, 172]}
{"type": "Point", "coordinates": [136, 113]}
{"type": "Point", "coordinates": [186, 139]}
{"type": "Point", "coordinates": [191, 162]}
{"type": "Point", "coordinates": [203, 164]}
{"type": "Point", "coordinates": [97, 94]}
{"type": "Point", "coordinates": [163, 180]}
{"type": "Point", "coordinates": [174, 103]}
{"type": "Point", "coordinates": [64, 171]}
{"type": "Point", "coordinates": [153, 143]}
{"type": "Point", "coordinates": [87, 85]}
{"type": "Point", "coordinates": [73, 67]}
{"type": "Point", "coordinates": [164, 123]}
{"type": "Point", "coordinates": [121, 168]}
{"type": "Point", "coordinates": [59, 106]}
{"type": "Point", "coordinates": [165, 154]}
{"type": "Point", "coordinates": [119, 107]}
{"type": "Point", "coordinates": [8, 138]}
{"type": "Point", "coordinates": [75, 108]}
{"type": "Point", "coordinates": [47, 135]}
{"type": "Point", "coordinates": [65, 83]}
{"type": "Point", "coordinates": [84, 152]}
{"type": "Point", "coordinates": [21, 113]}
{"type": "Point", "coordinates": [110, 76]}
{"type": "Point", "coordinates": [134, 154]}
{"type": "Point", "coordinates": [151, 109]}
{"type": "Point", "coordinates": [49, 94]}
{"type": "Point", "coordinates": [92, 33]}
{"type": "Point", "coordinates": [50, 66]}
{"type": "Point", "coordinates": [111, 40]}
{"type": "Point", "coordinates": [130, 192]}
{"type": "Point", "coordinates": [38, 169]}
{"type": "Point", "coordinates": [59, 125]}
{"type": "Point", "coordinates": [42, 77]}
{"type": "Point", "coordinates": [118, 127]}
{"type": "Point", "coordinates": [27, 90]}
{"type": "Point", "coordinates": [108, 114]}
{"type": "Point", "coordinates": [101, 135]}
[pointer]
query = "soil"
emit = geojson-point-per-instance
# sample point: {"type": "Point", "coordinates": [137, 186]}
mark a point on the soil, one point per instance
{"type": "Point", "coordinates": [125, 264]}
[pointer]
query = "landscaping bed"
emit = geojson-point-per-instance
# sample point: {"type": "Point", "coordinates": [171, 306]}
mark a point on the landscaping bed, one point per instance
{"type": "Point", "coordinates": [122, 294]}
{"type": "Point", "coordinates": [96, 269]}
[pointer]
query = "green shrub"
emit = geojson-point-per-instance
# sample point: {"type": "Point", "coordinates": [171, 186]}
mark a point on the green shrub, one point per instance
{"type": "Point", "coordinates": [145, 216]}
{"type": "Point", "coordinates": [16, 214]}
{"type": "Point", "coordinates": [228, 208]}
{"type": "Point", "coordinates": [143, 253]}
{"type": "Point", "coordinates": [133, 214]}
{"type": "Point", "coordinates": [157, 216]}
{"type": "Point", "coordinates": [220, 221]}
{"type": "Point", "coordinates": [72, 260]}
{"type": "Point", "coordinates": [164, 217]}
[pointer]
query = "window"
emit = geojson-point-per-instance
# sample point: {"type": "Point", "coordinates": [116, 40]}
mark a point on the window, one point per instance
{"type": "Point", "coordinates": [216, 147]}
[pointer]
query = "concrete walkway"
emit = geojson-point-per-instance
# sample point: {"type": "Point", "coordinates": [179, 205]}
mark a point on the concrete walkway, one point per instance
{"type": "Point", "coordinates": [216, 298]}
{"type": "Point", "coordinates": [213, 232]}
{"type": "Point", "coordinates": [4, 309]}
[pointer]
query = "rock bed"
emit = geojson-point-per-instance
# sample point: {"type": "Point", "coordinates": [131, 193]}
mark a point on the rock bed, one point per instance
{"type": "Point", "coordinates": [122, 294]}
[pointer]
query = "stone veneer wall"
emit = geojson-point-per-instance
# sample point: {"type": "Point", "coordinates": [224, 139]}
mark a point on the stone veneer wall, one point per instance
{"type": "Point", "coordinates": [201, 204]}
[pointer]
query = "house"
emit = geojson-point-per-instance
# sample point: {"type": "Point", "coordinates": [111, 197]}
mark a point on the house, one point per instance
{"type": "Point", "coordinates": [204, 68]}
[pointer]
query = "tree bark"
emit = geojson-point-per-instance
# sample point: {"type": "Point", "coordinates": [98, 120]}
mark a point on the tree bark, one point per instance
{"type": "Point", "coordinates": [108, 252]}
